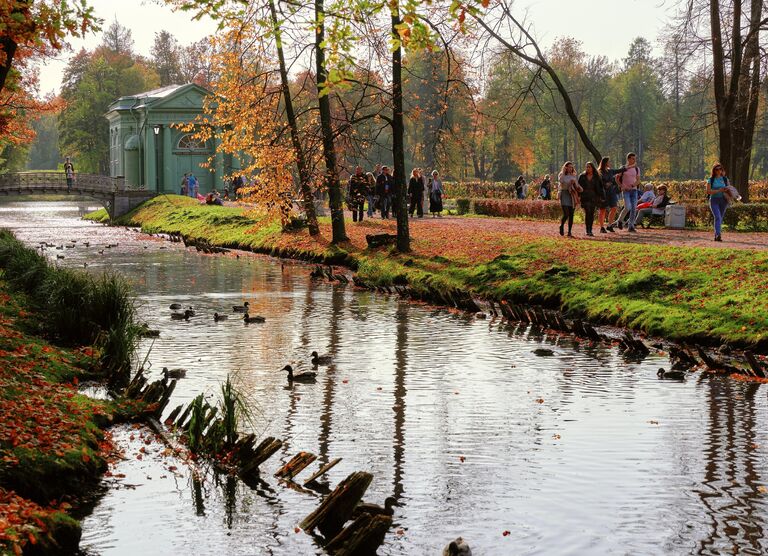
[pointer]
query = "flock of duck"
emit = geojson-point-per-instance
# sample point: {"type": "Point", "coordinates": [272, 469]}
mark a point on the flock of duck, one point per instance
{"type": "Point", "coordinates": [217, 317]}
{"type": "Point", "coordinates": [295, 374]}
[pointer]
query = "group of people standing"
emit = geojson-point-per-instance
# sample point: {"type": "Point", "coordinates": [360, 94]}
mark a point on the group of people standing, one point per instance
{"type": "Point", "coordinates": [190, 187]}
{"type": "Point", "coordinates": [598, 189]}
{"type": "Point", "coordinates": [379, 188]}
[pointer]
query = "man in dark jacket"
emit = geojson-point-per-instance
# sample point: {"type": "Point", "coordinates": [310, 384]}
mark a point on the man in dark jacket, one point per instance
{"type": "Point", "coordinates": [385, 189]}
{"type": "Point", "coordinates": [358, 191]}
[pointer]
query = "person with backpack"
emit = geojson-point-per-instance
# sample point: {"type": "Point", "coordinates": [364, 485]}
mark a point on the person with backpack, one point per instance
{"type": "Point", "coordinates": [611, 192]}
{"type": "Point", "coordinates": [716, 186]}
{"type": "Point", "coordinates": [627, 178]}
{"type": "Point", "coordinates": [568, 193]}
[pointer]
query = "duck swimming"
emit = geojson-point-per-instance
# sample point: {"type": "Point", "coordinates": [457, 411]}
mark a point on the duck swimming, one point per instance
{"type": "Point", "coordinates": [182, 316]}
{"type": "Point", "coordinates": [670, 375]}
{"type": "Point", "coordinates": [543, 352]}
{"type": "Point", "coordinates": [304, 376]}
{"type": "Point", "coordinates": [458, 547]}
{"type": "Point", "coordinates": [217, 317]}
{"type": "Point", "coordinates": [247, 319]}
{"type": "Point", "coordinates": [174, 373]}
{"type": "Point", "coordinates": [175, 306]}
{"type": "Point", "coordinates": [241, 308]}
{"type": "Point", "coordinates": [320, 359]}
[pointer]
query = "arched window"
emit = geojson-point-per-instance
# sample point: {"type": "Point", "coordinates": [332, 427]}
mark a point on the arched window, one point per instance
{"type": "Point", "coordinates": [190, 143]}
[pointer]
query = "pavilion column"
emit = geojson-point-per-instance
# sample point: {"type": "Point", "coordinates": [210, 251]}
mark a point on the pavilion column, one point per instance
{"type": "Point", "coordinates": [169, 180]}
{"type": "Point", "coordinates": [150, 163]}
{"type": "Point", "coordinates": [218, 166]}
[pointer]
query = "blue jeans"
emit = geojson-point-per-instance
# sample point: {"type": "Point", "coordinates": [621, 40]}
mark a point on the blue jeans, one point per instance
{"type": "Point", "coordinates": [385, 203]}
{"type": "Point", "coordinates": [371, 202]}
{"type": "Point", "coordinates": [718, 206]}
{"type": "Point", "coordinates": [630, 205]}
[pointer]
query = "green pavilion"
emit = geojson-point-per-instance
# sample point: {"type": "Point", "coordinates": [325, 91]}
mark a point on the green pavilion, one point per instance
{"type": "Point", "coordinates": [150, 152]}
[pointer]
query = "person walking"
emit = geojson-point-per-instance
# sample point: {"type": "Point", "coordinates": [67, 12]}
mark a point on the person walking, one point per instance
{"type": "Point", "coordinates": [716, 185]}
{"type": "Point", "coordinates": [591, 194]}
{"type": "Point", "coordinates": [520, 187]}
{"type": "Point", "coordinates": [69, 172]}
{"type": "Point", "coordinates": [385, 187]}
{"type": "Point", "coordinates": [371, 189]}
{"type": "Point", "coordinates": [611, 192]}
{"type": "Point", "coordinates": [568, 187]}
{"type": "Point", "coordinates": [416, 194]}
{"type": "Point", "coordinates": [377, 171]}
{"type": "Point", "coordinates": [184, 185]}
{"type": "Point", "coordinates": [545, 189]}
{"type": "Point", "coordinates": [358, 191]}
{"type": "Point", "coordinates": [628, 178]}
{"type": "Point", "coordinates": [436, 195]}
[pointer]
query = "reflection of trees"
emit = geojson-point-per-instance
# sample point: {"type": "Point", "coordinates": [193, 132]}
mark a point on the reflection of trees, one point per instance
{"type": "Point", "coordinates": [401, 363]}
{"type": "Point", "coordinates": [329, 386]}
{"type": "Point", "coordinates": [730, 497]}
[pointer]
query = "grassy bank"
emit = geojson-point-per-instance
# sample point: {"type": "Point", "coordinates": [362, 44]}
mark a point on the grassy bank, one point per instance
{"type": "Point", "coordinates": [52, 446]}
{"type": "Point", "coordinates": [680, 293]}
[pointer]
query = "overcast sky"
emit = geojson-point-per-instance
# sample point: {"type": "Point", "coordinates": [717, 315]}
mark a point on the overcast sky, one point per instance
{"type": "Point", "coordinates": [622, 20]}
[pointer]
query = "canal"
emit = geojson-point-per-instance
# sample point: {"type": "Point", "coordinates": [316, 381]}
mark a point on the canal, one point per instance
{"type": "Point", "coordinates": [473, 434]}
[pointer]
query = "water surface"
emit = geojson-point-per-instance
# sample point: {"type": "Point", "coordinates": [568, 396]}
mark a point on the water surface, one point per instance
{"type": "Point", "coordinates": [474, 435]}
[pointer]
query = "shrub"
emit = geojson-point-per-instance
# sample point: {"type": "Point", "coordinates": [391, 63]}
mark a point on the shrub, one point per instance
{"type": "Point", "coordinates": [751, 217]}
{"type": "Point", "coordinates": [463, 206]}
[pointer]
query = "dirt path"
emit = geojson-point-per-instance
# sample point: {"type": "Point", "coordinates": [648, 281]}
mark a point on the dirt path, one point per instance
{"type": "Point", "coordinates": [653, 236]}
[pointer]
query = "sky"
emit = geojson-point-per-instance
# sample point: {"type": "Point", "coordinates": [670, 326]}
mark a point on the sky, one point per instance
{"type": "Point", "coordinates": [623, 20]}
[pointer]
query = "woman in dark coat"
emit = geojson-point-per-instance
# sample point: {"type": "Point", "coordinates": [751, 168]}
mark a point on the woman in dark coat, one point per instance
{"type": "Point", "coordinates": [416, 194]}
{"type": "Point", "coordinates": [592, 195]}
{"type": "Point", "coordinates": [435, 194]}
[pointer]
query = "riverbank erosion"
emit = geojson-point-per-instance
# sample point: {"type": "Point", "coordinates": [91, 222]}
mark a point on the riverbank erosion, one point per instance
{"type": "Point", "coordinates": [53, 444]}
{"type": "Point", "coordinates": [678, 292]}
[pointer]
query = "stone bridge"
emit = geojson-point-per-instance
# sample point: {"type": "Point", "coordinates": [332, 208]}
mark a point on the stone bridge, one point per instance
{"type": "Point", "coordinates": [112, 193]}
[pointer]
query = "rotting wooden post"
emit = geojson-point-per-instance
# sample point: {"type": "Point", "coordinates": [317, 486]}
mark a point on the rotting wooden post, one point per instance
{"type": "Point", "coordinates": [172, 416]}
{"type": "Point", "coordinates": [337, 508]}
{"type": "Point", "coordinates": [296, 465]}
{"type": "Point", "coordinates": [364, 536]}
{"type": "Point", "coordinates": [265, 450]}
{"type": "Point", "coordinates": [323, 470]}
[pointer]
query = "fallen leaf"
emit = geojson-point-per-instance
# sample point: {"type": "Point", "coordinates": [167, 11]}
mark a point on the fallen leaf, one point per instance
{"type": "Point", "coordinates": [506, 533]}
{"type": "Point", "coordinates": [462, 459]}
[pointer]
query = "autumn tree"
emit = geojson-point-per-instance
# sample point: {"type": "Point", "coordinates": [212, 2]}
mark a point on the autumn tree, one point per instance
{"type": "Point", "coordinates": [32, 31]}
{"type": "Point", "coordinates": [166, 59]}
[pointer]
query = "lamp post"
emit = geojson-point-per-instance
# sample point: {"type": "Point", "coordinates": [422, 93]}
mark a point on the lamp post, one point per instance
{"type": "Point", "coordinates": [156, 131]}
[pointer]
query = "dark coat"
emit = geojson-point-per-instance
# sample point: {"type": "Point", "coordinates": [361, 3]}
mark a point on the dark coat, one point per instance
{"type": "Point", "coordinates": [592, 193]}
{"type": "Point", "coordinates": [415, 187]}
{"type": "Point", "coordinates": [385, 185]}
{"type": "Point", "coordinates": [358, 186]}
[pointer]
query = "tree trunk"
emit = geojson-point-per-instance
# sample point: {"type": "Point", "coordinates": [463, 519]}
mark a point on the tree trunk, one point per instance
{"type": "Point", "coordinates": [736, 105]}
{"type": "Point", "coordinates": [326, 129]}
{"type": "Point", "coordinates": [8, 49]}
{"type": "Point", "coordinates": [398, 131]}
{"type": "Point", "coordinates": [305, 176]}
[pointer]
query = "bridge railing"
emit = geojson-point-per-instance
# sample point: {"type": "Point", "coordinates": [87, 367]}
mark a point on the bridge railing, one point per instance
{"type": "Point", "coordinates": [58, 181]}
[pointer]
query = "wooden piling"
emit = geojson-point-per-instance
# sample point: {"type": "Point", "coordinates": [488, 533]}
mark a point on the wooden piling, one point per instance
{"type": "Point", "coordinates": [362, 538]}
{"type": "Point", "coordinates": [337, 508]}
{"type": "Point", "coordinates": [296, 465]}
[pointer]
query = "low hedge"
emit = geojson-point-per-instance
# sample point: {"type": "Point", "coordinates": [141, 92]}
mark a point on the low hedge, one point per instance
{"type": "Point", "coordinates": [752, 217]}
{"type": "Point", "coordinates": [689, 190]}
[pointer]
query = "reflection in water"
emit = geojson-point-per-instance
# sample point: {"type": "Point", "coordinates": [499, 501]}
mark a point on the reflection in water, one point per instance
{"type": "Point", "coordinates": [581, 453]}
{"type": "Point", "coordinates": [729, 492]}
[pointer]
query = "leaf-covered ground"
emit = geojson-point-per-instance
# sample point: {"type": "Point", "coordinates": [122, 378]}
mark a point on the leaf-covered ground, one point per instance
{"type": "Point", "coordinates": [49, 438]}
{"type": "Point", "coordinates": [670, 283]}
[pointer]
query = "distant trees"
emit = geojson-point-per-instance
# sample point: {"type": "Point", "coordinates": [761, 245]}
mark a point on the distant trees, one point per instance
{"type": "Point", "coordinates": [92, 81]}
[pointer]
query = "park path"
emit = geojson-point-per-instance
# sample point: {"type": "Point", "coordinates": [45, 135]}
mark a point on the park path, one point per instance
{"type": "Point", "coordinates": [451, 226]}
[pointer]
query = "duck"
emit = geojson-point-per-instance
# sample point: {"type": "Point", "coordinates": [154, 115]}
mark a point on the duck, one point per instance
{"type": "Point", "coordinates": [670, 375]}
{"type": "Point", "coordinates": [320, 359]}
{"type": "Point", "coordinates": [304, 376]}
{"type": "Point", "coordinates": [217, 317]}
{"type": "Point", "coordinates": [375, 509]}
{"type": "Point", "coordinates": [241, 308]}
{"type": "Point", "coordinates": [175, 306]}
{"type": "Point", "coordinates": [59, 256]}
{"type": "Point", "coordinates": [543, 352]}
{"type": "Point", "coordinates": [191, 311]}
{"type": "Point", "coordinates": [87, 243]}
{"type": "Point", "coordinates": [247, 319]}
{"type": "Point", "coordinates": [457, 547]}
{"type": "Point", "coordinates": [182, 316]}
{"type": "Point", "coordinates": [174, 373]}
